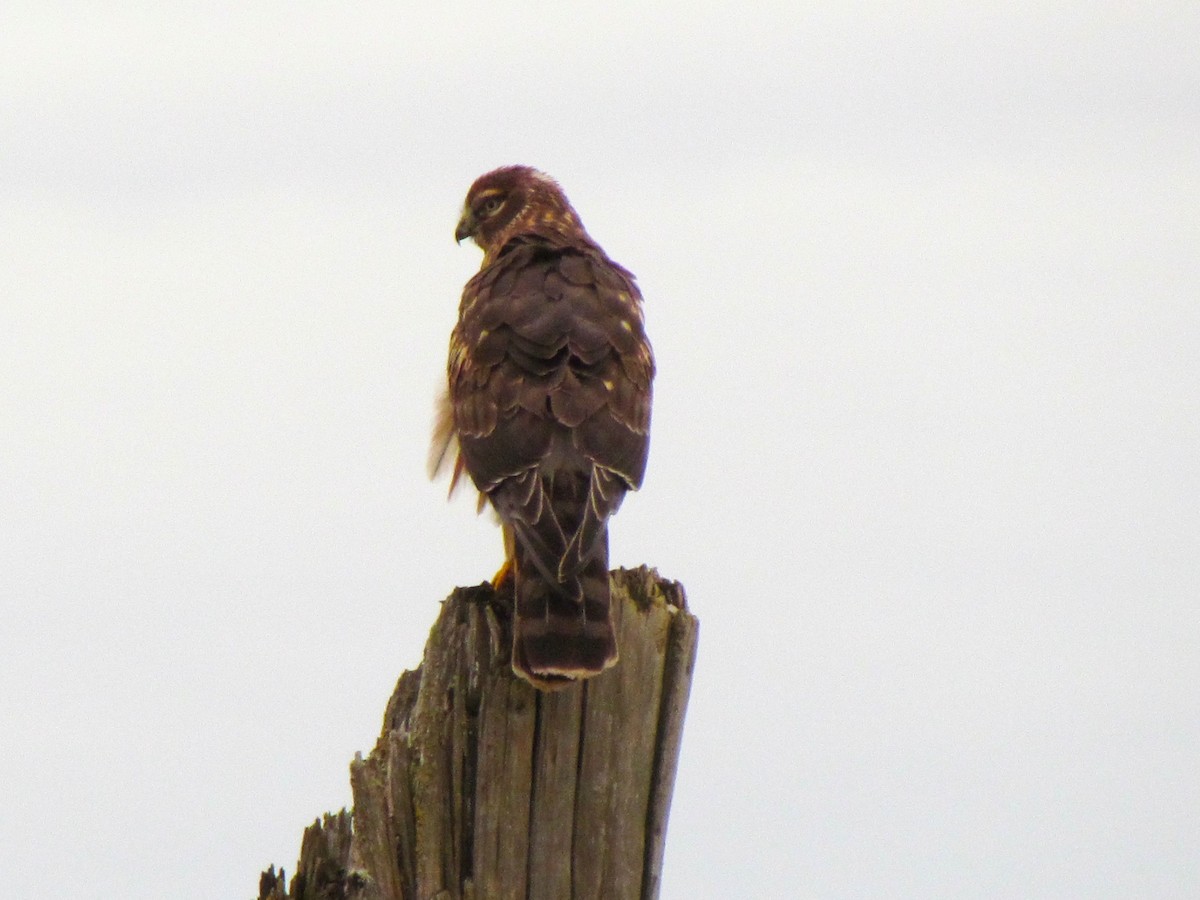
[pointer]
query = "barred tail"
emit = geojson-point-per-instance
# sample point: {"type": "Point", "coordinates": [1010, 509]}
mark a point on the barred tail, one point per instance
{"type": "Point", "coordinates": [562, 630]}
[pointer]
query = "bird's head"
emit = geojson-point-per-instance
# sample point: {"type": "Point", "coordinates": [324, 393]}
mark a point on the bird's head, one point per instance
{"type": "Point", "coordinates": [515, 200]}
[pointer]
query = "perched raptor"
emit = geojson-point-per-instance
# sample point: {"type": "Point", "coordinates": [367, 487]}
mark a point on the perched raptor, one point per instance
{"type": "Point", "coordinates": [548, 411]}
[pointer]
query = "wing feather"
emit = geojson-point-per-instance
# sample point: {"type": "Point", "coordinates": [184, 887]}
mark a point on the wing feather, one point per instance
{"type": "Point", "coordinates": [552, 384]}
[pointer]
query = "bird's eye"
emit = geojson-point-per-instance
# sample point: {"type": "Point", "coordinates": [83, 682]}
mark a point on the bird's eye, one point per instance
{"type": "Point", "coordinates": [492, 205]}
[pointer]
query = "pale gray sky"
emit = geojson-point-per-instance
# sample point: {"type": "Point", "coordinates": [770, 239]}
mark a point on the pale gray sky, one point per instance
{"type": "Point", "coordinates": [922, 281]}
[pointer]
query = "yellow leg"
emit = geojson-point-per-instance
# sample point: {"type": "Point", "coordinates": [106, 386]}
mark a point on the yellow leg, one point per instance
{"type": "Point", "coordinates": [506, 573]}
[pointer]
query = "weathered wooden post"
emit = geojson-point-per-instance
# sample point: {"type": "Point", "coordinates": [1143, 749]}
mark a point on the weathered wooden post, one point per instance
{"type": "Point", "coordinates": [481, 787]}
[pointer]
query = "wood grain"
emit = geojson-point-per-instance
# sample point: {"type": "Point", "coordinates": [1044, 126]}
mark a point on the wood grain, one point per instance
{"type": "Point", "coordinates": [482, 787]}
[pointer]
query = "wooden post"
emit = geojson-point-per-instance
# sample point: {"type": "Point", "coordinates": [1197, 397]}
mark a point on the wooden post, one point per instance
{"type": "Point", "coordinates": [482, 788]}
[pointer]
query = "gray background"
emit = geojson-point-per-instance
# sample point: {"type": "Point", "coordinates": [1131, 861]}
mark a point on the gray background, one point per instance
{"type": "Point", "coordinates": [922, 281]}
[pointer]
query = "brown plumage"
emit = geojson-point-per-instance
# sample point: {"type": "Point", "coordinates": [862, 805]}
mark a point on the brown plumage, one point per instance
{"type": "Point", "coordinates": [549, 405]}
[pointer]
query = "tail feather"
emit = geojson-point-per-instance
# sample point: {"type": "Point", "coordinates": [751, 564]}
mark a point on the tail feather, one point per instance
{"type": "Point", "coordinates": [562, 631]}
{"type": "Point", "coordinates": [558, 526]}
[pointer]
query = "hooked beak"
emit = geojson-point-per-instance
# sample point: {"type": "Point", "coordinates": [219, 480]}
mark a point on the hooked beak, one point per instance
{"type": "Point", "coordinates": [466, 227]}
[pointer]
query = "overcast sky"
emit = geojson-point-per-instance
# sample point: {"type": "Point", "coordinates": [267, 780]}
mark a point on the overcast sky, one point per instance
{"type": "Point", "coordinates": [922, 281]}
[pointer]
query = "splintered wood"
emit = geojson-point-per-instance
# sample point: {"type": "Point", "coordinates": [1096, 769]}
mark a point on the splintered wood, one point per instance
{"type": "Point", "coordinates": [482, 788]}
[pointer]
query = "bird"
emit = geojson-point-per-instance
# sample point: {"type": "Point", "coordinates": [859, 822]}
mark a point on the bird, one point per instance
{"type": "Point", "coordinates": [547, 408]}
